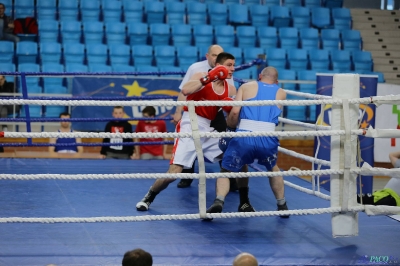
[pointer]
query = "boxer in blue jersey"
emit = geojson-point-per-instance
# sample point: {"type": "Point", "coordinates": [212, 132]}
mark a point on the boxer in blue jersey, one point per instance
{"type": "Point", "coordinates": [69, 146]}
{"type": "Point", "coordinates": [245, 150]}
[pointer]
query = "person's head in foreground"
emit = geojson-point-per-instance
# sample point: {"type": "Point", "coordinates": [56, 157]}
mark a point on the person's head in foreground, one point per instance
{"type": "Point", "coordinates": [137, 257]}
{"type": "Point", "coordinates": [245, 259]}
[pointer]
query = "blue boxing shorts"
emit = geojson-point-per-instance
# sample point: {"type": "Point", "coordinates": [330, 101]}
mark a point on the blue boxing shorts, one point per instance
{"type": "Point", "coordinates": [241, 151]}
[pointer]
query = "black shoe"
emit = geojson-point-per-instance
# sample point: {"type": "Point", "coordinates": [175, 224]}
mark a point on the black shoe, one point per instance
{"type": "Point", "coordinates": [246, 207]}
{"type": "Point", "coordinates": [144, 204]}
{"type": "Point", "coordinates": [184, 183]}
{"type": "Point", "coordinates": [233, 186]}
{"type": "Point", "coordinates": [216, 207]}
{"type": "Point", "coordinates": [283, 207]}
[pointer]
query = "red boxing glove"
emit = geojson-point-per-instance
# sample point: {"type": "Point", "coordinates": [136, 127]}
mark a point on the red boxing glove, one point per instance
{"type": "Point", "coordinates": [218, 72]}
{"type": "Point", "coordinates": [227, 108]}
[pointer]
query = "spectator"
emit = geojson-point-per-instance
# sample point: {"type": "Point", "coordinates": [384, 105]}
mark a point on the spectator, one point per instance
{"type": "Point", "coordinates": [390, 194]}
{"type": "Point", "coordinates": [150, 152]}
{"type": "Point", "coordinates": [65, 127]}
{"type": "Point", "coordinates": [6, 26]}
{"type": "Point", "coordinates": [245, 259]}
{"type": "Point", "coordinates": [117, 151]}
{"type": "Point", "coordinates": [5, 110]}
{"type": "Point", "coordinates": [137, 257]}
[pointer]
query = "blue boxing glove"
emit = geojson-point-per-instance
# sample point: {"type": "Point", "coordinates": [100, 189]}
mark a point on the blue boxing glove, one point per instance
{"type": "Point", "coordinates": [224, 142]}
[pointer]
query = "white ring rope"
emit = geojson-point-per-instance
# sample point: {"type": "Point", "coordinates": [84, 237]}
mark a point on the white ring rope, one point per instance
{"type": "Point", "coordinates": [306, 190]}
{"type": "Point", "coordinates": [8, 134]}
{"type": "Point", "coordinates": [176, 216]}
{"type": "Point", "coordinates": [165, 175]}
{"type": "Point", "coordinates": [389, 99]}
{"type": "Point", "coordinates": [306, 125]}
{"type": "Point", "coordinates": [304, 157]}
{"type": "Point", "coordinates": [307, 95]}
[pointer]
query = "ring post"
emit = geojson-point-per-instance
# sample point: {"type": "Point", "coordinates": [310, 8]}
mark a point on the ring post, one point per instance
{"type": "Point", "coordinates": [200, 158]}
{"type": "Point", "coordinates": [344, 154]}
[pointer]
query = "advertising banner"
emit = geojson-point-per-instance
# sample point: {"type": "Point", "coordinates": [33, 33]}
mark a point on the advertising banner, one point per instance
{"type": "Point", "coordinates": [368, 87]}
{"type": "Point", "coordinates": [120, 87]}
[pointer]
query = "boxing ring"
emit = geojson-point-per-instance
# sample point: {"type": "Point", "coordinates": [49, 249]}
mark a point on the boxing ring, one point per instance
{"type": "Point", "coordinates": [78, 212]}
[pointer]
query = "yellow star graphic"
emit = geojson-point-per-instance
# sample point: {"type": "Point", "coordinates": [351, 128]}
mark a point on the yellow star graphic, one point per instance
{"type": "Point", "coordinates": [134, 89]}
{"type": "Point", "coordinates": [364, 124]}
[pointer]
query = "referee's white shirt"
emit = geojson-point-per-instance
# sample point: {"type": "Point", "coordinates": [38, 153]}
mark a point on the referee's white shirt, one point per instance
{"type": "Point", "coordinates": [201, 66]}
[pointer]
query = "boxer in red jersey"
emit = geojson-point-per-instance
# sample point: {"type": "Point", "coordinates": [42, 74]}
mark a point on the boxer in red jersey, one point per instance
{"type": "Point", "coordinates": [210, 86]}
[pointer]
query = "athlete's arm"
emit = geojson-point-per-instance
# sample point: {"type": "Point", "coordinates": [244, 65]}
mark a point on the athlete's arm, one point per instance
{"type": "Point", "coordinates": [394, 156]}
{"type": "Point", "coordinates": [193, 85]}
{"type": "Point", "coordinates": [79, 148]}
{"type": "Point", "coordinates": [232, 91]}
{"type": "Point", "coordinates": [52, 149]}
{"type": "Point", "coordinates": [178, 110]}
{"type": "Point", "coordinates": [280, 95]}
{"type": "Point", "coordinates": [233, 117]}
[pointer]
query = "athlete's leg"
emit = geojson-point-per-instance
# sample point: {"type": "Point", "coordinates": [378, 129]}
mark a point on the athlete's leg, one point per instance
{"type": "Point", "coordinates": [278, 188]}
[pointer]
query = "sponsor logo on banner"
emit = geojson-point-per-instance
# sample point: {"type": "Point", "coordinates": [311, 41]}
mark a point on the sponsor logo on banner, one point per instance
{"type": "Point", "coordinates": [121, 87]}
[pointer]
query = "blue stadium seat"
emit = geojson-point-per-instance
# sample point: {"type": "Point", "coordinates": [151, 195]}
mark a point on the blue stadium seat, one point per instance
{"type": "Point", "coordinates": [246, 36]}
{"type": "Point", "coordinates": [259, 15]}
{"type": "Point", "coordinates": [76, 67]}
{"type": "Point", "coordinates": [341, 18]}
{"type": "Point", "coordinates": [238, 14]}
{"type": "Point", "coordinates": [244, 74]}
{"type": "Point", "coordinates": [309, 75]}
{"type": "Point", "coordinates": [138, 33]}
{"type": "Point", "coordinates": [142, 55]}
{"type": "Point", "coordinates": [251, 2]}
{"type": "Point", "coordinates": [330, 39]}
{"type": "Point", "coordinates": [251, 53]}
{"type": "Point", "coordinates": [32, 83]}
{"type": "Point", "coordinates": [93, 31]}
{"type": "Point", "coordinates": [292, 3]}
{"type": "Point", "coordinates": [155, 12]}
{"type": "Point", "coordinates": [285, 74]}
{"type": "Point", "coordinates": [218, 14]}
{"type": "Point", "coordinates": [319, 60]}
{"type": "Point", "coordinates": [320, 17]}
{"type": "Point", "coordinates": [27, 52]}
{"type": "Point", "coordinates": [212, 1]}
{"type": "Point", "coordinates": [381, 77]}
{"type": "Point", "coordinates": [301, 17]}
{"type": "Point", "coordinates": [196, 13]}
{"type": "Point", "coordinates": [333, 3]}
{"type": "Point", "coordinates": [289, 37]}
{"type": "Point", "coordinates": [272, 2]}
{"type": "Point", "coordinates": [115, 33]}
{"type": "Point", "coordinates": [96, 53]}
{"type": "Point", "coordinates": [24, 8]}
{"type": "Point", "coordinates": [90, 10]}
{"type": "Point", "coordinates": [120, 54]}
{"type": "Point", "coordinates": [280, 16]}
{"type": "Point", "coordinates": [341, 61]}
{"type": "Point", "coordinates": [186, 56]}
{"type": "Point", "coordinates": [112, 11]}
{"type": "Point", "coordinates": [55, 81]}
{"type": "Point", "coordinates": [237, 52]}
{"type": "Point", "coordinates": [267, 37]}
{"type": "Point", "coordinates": [181, 34]}
{"type": "Point", "coordinates": [276, 57]}
{"type": "Point", "coordinates": [48, 30]}
{"type": "Point", "coordinates": [297, 58]}
{"type": "Point", "coordinates": [225, 35]}
{"type": "Point", "coordinates": [46, 9]}
{"type": "Point", "coordinates": [362, 61]}
{"type": "Point", "coordinates": [54, 111]}
{"type": "Point", "coordinates": [297, 113]}
{"type": "Point", "coordinates": [34, 111]}
{"type": "Point", "coordinates": [68, 10]}
{"type": "Point", "coordinates": [309, 38]}
{"type": "Point", "coordinates": [74, 53]}
{"type": "Point", "coordinates": [133, 11]}
{"type": "Point", "coordinates": [123, 68]}
{"type": "Point", "coordinates": [164, 55]}
{"type": "Point", "coordinates": [99, 68]}
{"type": "Point", "coordinates": [6, 52]}
{"type": "Point", "coordinates": [312, 3]}
{"type": "Point", "coordinates": [176, 13]}
{"type": "Point", "coordinates": [71, 31]}
{"type": "Point", "coordinates": [160, 34]}
{"type": "Point", "coordinates": [147, 69]}
{"type": "Point", "coordinates": [171, 69]}
{"type": "Point", "coordinates": [50, 52]}
{"type": "Point", "coordinates": [203, 35]}
{"type": "Point", "coordinates": [351, 40]}
{"type": "Point", "coordinates": [8, 67]}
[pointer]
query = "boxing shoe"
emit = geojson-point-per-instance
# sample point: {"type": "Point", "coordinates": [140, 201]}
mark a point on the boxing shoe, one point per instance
{"type": "Point", "coordinates": [246, 207]}
{"type": "Point", "coordinates": [184, 183]}
{"type": "Point", "coordinates": [283, 207]}
{"type": "Point", "coordinates": [216, 207]}
{"type": "Point", "coordinates": [144, 204]}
